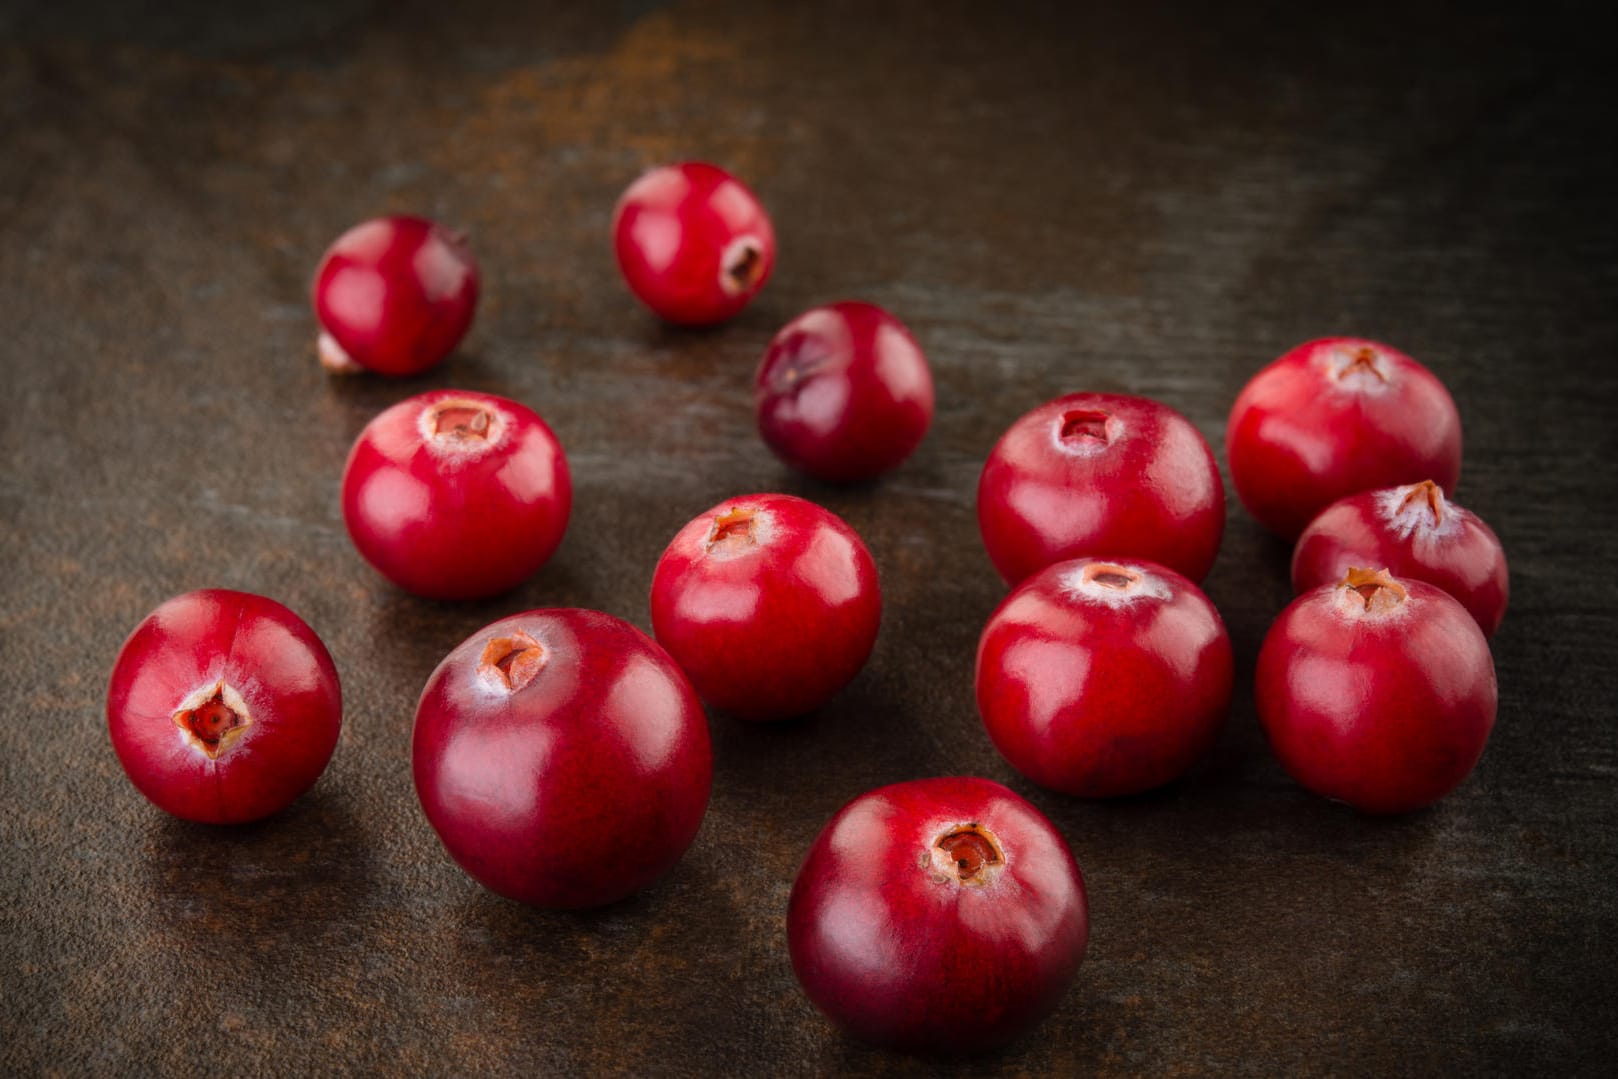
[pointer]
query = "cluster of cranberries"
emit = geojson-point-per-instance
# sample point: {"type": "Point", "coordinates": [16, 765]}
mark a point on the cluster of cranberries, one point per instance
{"type": "Point", "coordinates": [563, 757]}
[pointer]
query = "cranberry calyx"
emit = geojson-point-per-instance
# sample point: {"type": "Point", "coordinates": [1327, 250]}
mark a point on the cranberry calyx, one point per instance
{"type": "Point", "coordinates": [459, 420]}
{"type": "Point", "coordinates": [1085, 424]}
{"type": "Point", "coordinates": [213, 723]}
{"type": "Point", "coordinates": [744, 266]}
{"type": "Point", "coordinates": [510, 663]}
{"type": "Point", "coordinates": [1429, 493]}
{"type": "Point", "coordinates": [968, 854]}
{"type": "Point", "coordinates": [734, 527]}
{"type": "Point", "coordinates": [1376, 590]}
{"type": "Point", "coordinates": [1361, 361]}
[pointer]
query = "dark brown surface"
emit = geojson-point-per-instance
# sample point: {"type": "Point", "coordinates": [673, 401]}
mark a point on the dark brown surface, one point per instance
{"type": "Point", "coordinates": [1149, 200]}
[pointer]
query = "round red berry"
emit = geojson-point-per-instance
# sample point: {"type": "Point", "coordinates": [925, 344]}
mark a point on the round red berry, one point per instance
{"type": "Point", "coordinates": [562, 758]}
{"type": "Point", "coordinates": [394, 295]}
{"type": "Point", "coordinates": [770, 603]}
{"type": "Point", "coordinates": [1104, 678]}
{"type": "Point", "coordinates": [1333, 418]}
{"type": "Point", "coordinates": [1101, 475]}
{"type": "Point", "coordinates": [939, 916]}
{"type": "Point", "coordinates": [844, 393]}
{"type": "Point", "coordinates": [457, 495]}
{"type": "Point", "coordinates": [1376, 691]}
{"type": "Point", "coordinates": [1415, 532]}
{"type": "Point", "coordinates": [223, 706]}
{"type": "Point", "coordinates": [693, 243]}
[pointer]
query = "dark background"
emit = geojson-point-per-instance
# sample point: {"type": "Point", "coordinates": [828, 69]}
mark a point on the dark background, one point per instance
{"type": "Point", "coordinates": [1147, 198]}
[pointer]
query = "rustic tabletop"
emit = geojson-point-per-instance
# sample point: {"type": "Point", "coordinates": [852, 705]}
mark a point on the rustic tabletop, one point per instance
{"type": "Point", "coordinates": [1147, 198]}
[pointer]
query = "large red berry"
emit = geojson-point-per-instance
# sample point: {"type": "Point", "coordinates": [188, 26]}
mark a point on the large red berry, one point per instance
{"type": "Point", "coordinates": [1102, 678]}
{"type": "Point", "coordinates": [1415, 532]}
{"type": "Point", "coordinates": [693, 243]}
{"type": "Point", "coordinates": [223, 706]}
{"type": "Point", "coordinates": [1376, 691]}
{"type": "Point", "coordinates": [1106, 476]}
{"type": "Point", "coordinates": [844, 392]}
{"type": "Point", "coordinates": [562, 758]}
{"type": "Point", "coordinates": [394, 295]}
{"type": "Point", "coordinates": [770, 603]}
{"type": "Point", "coordinates": [457, 495]}
{"type": "Point", "coordinates": [1333, 418]}
{"type": "Point", "coordinates": [939, 916]}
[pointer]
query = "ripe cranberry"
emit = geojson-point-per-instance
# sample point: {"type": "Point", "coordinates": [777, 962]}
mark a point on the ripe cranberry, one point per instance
{"type": "Point", "coordinates": [394, 295]}
{"type": "Point", "coordinates": [1333, 418]}
{"type": "Point", "coordinates": [844, 392]}
{"type": "Point", "coordinates": [223, 706]}
{"type": "Point", "coordinates": [769, 603]}
{"type": "Point", "coordinates": [938, 916]}
{"type": "Point", "coordinates": [693, 243]}
{"type": "Point", "coordinates": [562, 758]}
{"type": "Point", "coordinates": [1376, 691]}
{"type": "Point", "coordinates": [1415, 532]}
{"type": "Point", "coordinates": [1101, 678]}
{"type": "Point", "coordinates": [1102, 475]}
{"type": "Point", "coordinates": [457, 495]}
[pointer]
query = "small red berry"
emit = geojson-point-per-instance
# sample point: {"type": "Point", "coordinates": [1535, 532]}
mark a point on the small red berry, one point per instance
{"type": "Point", "coordinates": [939, 916]}
{"type": "Point", "coordinates": [693, 243]}
{"type": "Point", "coordinates": [1101, 475]}
{"type": "Point", "coordinates": [457, 495]}
{"type": "Point", "coordinates": [562, 758]}
{"type": "Point", "coordinates": [1415, 532]}
{"type": "Point", "coordinates": [223, 706]}
{"type": "Point", "coordinates": [1376, 691]}
{"type": "Point", "coordinates": [770, 603]}
{"type": "Point", "coordinates": [1333, 418]}
{"type": "Point", "coordinates": [844, 392]}
{"type": "Point", "coordinates": [1104, 678]}
{"type": "Point", "coordinates": [394, 295]}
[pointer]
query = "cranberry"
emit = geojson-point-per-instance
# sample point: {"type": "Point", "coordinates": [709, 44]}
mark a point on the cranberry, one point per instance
{"type": "Point", "coordinates": [1415, 532]}
{"type": "Point", "coordinates": [562, 758]}
{"type": "Point", "coordinates": [1333, 418]}
{"type": "Point", "coordinates": [457, 495]}
{"type": "Point", "coordinates": [1101, 678]}
{"type": "Point", "coordinates": [693, 243]}
{"type": "Point", "coordinates": [1376, 691]}
{"type": "Point", "coordinates": [844, 392]}
{"type": "Point", "coordinates": [394, 295]}
{"type": "Point", "coordinates": [1101, 475]}
{"type": "Point", "coordinates": [938, 916]}
{"type": "Point", "coordinates": [223, 706]}
{"type": "Point", "coordinates": [769, 602]}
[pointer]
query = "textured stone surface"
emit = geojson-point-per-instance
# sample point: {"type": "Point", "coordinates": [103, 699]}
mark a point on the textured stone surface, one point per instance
{"type": "Point", "coordinates": [1154, 199]}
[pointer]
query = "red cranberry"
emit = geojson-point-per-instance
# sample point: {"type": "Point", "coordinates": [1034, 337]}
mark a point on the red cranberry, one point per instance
{"type": "Point", "coordinates": [394, 295]}
{"type": "Point", "coordinates": [1376, 691]}
{"type": "Point", "coordinates": [1102, 475]}
{"type": "Point", "coordinates": [562, 758]}
{"type": "Point", "coordinates": [770, 603]}
{"type": "Point", "coordinates": [938, 916]}
{"type": "Point", "coordinates": [693, 243]}
{"type": "Point", "coordinates": [457, 495]}
{"type": "Point", "coordinates": [223, 706]}
{"type": "Point", "coordinates": [1101, 678]}
{"type": "Point", "coordinates": [844, 393]}
{"type": "Point", "coordinates": [1415, 532]}
{"type": "Point", "coordinates": [1333, 418]}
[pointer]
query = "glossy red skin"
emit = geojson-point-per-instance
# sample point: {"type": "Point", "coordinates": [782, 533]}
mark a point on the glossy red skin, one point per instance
{"type": "Point", "coordinates": [576, 790]}
{"type": "Point", "coordinates": [1386, 713]}
{"type": "Point", "coordinates": [770, 629]}
{"type": "Point", "coordinates": [1151, 491]}
{"type": "Point", "coordinates": [844, 393]}
{"type": "Point", "coordinates": [1458, 553]}
{"type": "Point", "coordinates": [671, 231]}
{"type": "Point", "coordinates": [451, 525]}
{"type": "Point", "coordinates": [397, 293]}
{"type": "Point", "coordinates": [284, 676]}
{"type": "Point", "coordinates": [1299, 439]}
{"type": "Point", "coordinates": [1099, 692]}
{"type": "Point", "coordinates": [902, 959]}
